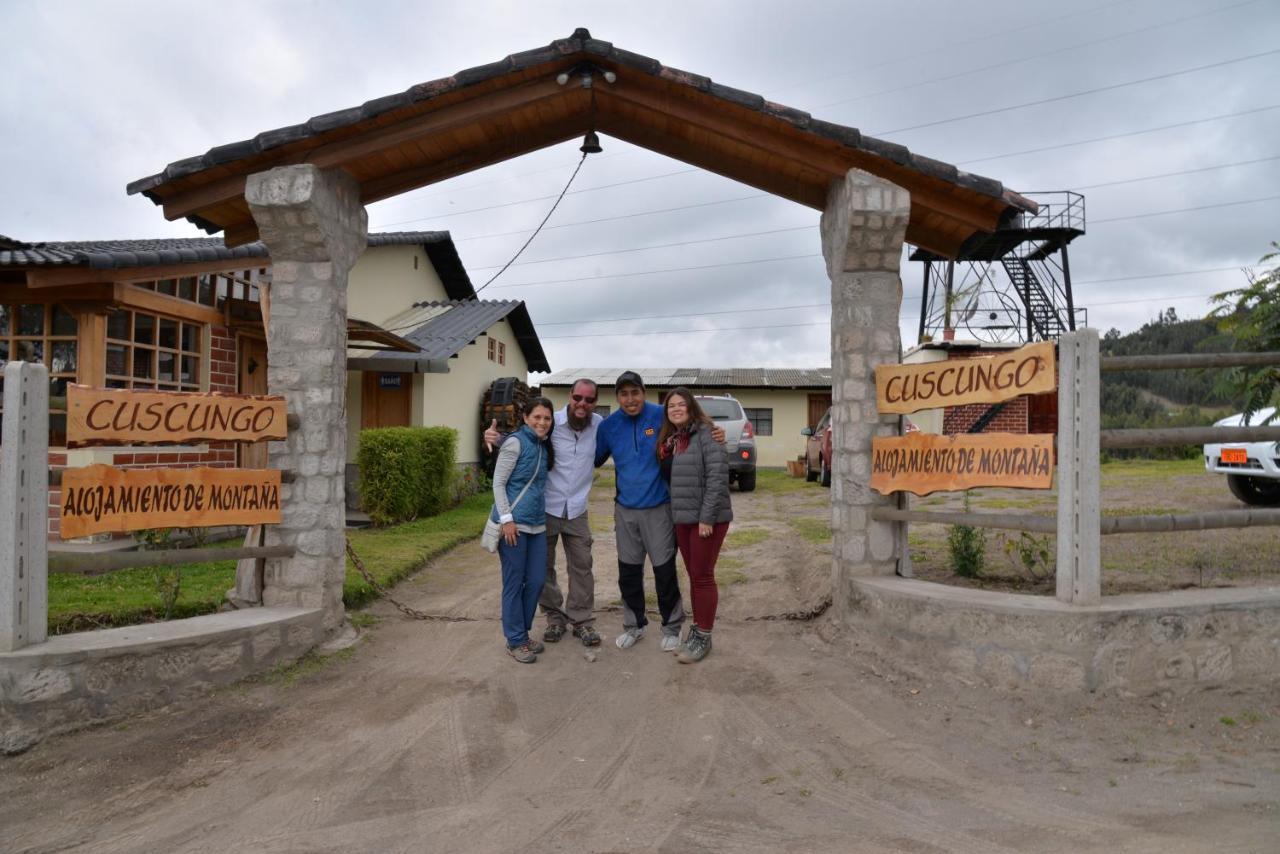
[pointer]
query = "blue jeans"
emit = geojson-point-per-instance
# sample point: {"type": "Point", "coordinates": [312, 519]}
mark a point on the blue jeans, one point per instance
{"type": "Point", "coordinates": [524, 569]}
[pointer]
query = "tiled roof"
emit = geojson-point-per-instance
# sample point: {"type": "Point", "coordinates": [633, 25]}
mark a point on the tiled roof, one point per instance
{"type": "Point", "coordinates": [702, 377]}
{"type": "Point", "coordinates": [113, 254]}
{"type": "Point", "coordinates": [457, 323]}
{"type": "Point", "coordinates": [582, 42]}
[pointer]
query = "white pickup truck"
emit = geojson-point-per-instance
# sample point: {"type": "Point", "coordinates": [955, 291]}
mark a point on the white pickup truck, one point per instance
{"type": "Point", "coordinates": [1252, 468]}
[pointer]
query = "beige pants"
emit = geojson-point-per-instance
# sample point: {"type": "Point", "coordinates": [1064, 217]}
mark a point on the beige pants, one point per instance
{"type": "Point", "coordinates": [576, 609]}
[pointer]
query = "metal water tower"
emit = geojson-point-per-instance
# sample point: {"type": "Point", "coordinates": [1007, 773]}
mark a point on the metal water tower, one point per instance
{"type": "Point", "coordinates": [1013, 285]}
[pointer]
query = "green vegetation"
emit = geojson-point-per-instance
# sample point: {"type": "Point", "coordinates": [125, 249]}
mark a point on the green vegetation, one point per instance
{"type": "Point", "coordinates": [287, 675]}
{"type": "Point", "coordinates": [813, 530]}
{"type": "Point", "coordinates": [130, 596]}
{"type": "Point", "coordinates": [968, 547]}
{"type": "Point", "coordinates": [777, 482]}
{"type": "Point", "coordinates": [745, 537]}
{"type": "Point", "coordinates": [729, 577]}
{"type": "Point", "coordinates": [406, 472]}
{"type": "Point", "coordinates": [1227, 721]}
{"type": "Point", "coordinates": [1251, 316]}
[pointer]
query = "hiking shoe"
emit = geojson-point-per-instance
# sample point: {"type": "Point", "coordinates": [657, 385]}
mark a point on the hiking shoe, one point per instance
{"type": "Point", "coordinates": [670, 643]}
{"type": "Point", "coordinates": [628, 638]}
{"type": "Point", "coordinates": [587, 634]}
{"type": "Point", "coordinates": [535, 647]}
{"type": "Point", "coordinates": [522, 653]}
{"type": "Point", "coordinates": [554, 632]}
{"type": "Point", "coordinates": [697, 648]}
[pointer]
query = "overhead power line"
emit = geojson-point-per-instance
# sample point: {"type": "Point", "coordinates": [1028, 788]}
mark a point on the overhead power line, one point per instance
{"type": "Point", "coordinates": [1040, 56]}
{"type": "Point", "coordinates": [1109, 88]}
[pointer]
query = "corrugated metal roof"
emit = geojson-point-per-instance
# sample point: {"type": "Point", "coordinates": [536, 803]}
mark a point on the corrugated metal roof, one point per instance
{"type": "Point", "coordinates": [451, 326]}
{"type": "Point", "coordinates": [702, 377]}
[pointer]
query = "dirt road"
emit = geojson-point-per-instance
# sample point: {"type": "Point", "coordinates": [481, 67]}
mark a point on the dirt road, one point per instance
{"type": "Point", "coordinates": [790, 737]}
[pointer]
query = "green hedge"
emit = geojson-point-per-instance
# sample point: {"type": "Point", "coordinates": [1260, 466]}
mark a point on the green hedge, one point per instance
{"type": "Point", "coordinates": [406, 472]}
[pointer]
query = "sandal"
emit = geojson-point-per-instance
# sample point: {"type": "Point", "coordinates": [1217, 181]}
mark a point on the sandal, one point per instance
{"type": "Point", "coordinates": [587, 634]}
{"type": "Point", "coordinates": [553, 633]}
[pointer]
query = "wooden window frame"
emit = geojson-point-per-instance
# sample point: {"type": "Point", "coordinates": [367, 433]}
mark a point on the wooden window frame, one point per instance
{"type": "Point", "coordinates": [11, 339]}
{"type": "Point", "coordinates": [156, 350]}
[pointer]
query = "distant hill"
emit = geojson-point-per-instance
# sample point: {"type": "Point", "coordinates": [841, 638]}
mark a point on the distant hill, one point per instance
{"type": "Point", "coordinates": [1164, 398]}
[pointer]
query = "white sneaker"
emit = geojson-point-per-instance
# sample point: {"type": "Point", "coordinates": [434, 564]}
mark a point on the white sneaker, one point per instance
{"type": "Point", "coordinates": [628, 638]}
{"type": "Point", "coordinates": [670, 643]}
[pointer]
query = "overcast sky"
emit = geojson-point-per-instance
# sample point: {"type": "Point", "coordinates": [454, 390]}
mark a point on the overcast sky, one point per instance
{"type": "Point", "coordinates": [98, 94]}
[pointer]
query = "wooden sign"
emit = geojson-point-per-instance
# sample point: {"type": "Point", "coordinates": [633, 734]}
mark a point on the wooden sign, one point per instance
{"type": "Point", "coordinates": [104, 498]}
{"type": "Point", "coordinates": [97, 416]}
{"type": "Point", "coordinates": [925, 462]}
{"type": "Point", "coordinates": [904, 389]}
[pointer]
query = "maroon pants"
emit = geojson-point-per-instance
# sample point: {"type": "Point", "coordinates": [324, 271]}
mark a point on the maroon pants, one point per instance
{"type": "Point", "coordinates": [700, 560]}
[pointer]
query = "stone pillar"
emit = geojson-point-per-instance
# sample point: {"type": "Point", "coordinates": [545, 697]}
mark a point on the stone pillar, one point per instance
{"type": "Point", "coordinates": [863, 228]}
{"type": "Point", "coordinates": [24, 507]}
{"type": "Point", "coordinates": [315, 228]}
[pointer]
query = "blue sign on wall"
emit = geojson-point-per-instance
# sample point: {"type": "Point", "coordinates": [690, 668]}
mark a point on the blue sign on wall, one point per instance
{"type": "Point", "coordinates": [390, 380]}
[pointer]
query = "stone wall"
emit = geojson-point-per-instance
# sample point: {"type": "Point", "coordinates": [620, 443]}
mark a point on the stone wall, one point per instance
{"type": "Point", "coordinates": [70, 681]}
{"type": "Point", "coordinates": [1136, 644]}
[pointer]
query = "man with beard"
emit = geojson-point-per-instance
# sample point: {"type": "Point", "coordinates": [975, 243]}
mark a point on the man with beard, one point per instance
{"type": "Point", "coordinates": [573, 436]}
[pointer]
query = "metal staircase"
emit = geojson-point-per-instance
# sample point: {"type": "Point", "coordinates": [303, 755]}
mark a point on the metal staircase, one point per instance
{"type": "Point", "coordinates": [1010, 286]}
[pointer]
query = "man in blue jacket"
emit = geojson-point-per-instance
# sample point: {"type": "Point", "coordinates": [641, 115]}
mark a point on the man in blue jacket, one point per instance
{"type": "Point", "coordinates": [642, 512]}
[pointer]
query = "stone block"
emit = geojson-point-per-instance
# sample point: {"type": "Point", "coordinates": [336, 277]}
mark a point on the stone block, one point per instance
{"type": "Point", "coordinates": [111, 675]}
{"type": "Point", "coordinates": [1001, 669]}
{"type": "Point", "coordinates": [41, 685]}
{"type": "Point", "coordinates": [1213, 663]}
{"type": "Point", "coordinates": [222, 660]}
{"type": "Point", "coordinates": [174, 665]}
{"type": "Point", "coordinates": [265, 646]}
{"type": "Point", "coordinates": [1057, 673]}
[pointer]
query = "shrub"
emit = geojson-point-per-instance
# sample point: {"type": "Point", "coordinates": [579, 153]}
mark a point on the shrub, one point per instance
{"type": "Point", "coordinates": [406, 472]}
{"type": "Point", "coordinates": [968, 547]}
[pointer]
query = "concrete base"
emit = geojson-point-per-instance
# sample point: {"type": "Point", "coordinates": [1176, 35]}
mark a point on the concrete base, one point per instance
{"type": "Point", "coordinates": [1135, 644]}
{"type": "Point", "coordinates": [90, 677]}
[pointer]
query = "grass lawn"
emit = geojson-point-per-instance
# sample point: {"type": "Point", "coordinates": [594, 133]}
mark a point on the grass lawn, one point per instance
{"type": "Point", "coordinates": [131, 596]}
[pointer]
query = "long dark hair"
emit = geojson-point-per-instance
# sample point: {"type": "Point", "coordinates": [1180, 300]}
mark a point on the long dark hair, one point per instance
{"type": "Point", "coordinates": [549, 449]}
{"type": "Point", "coordinates": [696, 415]}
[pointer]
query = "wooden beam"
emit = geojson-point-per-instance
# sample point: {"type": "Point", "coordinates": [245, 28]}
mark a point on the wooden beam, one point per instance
{"type": "Point", "coordinates": [92, 292]}
{"type": "Point", "coordinates": [800, 148]}
{"type": "Point", "coordinates": [91, 345]}
{"type": "Point", "coordinates": [89, 276]}
{"type": "Point", "coordinates": [141, 298]}
{"type": "Point", "coordinates": [361, 144]}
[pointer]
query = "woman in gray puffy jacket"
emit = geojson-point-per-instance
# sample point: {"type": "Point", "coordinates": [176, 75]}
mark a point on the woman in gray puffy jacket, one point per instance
{"type": "Point", "coordinates": [696, 469]}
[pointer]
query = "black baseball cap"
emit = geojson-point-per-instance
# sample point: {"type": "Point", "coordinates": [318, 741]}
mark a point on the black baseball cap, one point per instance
{"type": "Point", "coordinates": [628, 378]}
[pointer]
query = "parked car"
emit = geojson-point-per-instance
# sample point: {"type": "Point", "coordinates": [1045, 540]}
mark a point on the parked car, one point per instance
{"type": "Point", "coordinates": [817, 450]}
{"type": "Point", "coordinates": [739, 438]}
{"type": "Point", "coordinates": [1252, 468]}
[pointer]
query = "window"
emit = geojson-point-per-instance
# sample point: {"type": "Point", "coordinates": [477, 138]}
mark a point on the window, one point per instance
{"type": "Point", "coordinates": [149, 351]}
{"type": "Point", "coordinates": [602, 411]}
{"type": "Point", "coordinates": [45, 334]}
{"type": "Point", "coordinates": [502, 353]}
{"type": "Point", "coordinates": [212, 289]}
{"type": "Point", "coordinates": [761, 420]}
{"type": "Point", "coordinates": [492, 350]}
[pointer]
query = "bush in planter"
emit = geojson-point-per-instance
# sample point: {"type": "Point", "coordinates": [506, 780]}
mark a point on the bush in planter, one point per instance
{"type": "Point", "coordinates": [406, 472]}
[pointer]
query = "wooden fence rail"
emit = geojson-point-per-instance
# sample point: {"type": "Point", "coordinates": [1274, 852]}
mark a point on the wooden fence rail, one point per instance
{"type": "Point", "coordinates": [1183, 361]}
{"type": "Point", "coordinates": [99, 564]}
{"type": "Point", "coordinates": [1143, 438]}
{"type": "Point", "coordinates": [1004, 521]}
{"type": "Point", "coordinates": [1253, 517]}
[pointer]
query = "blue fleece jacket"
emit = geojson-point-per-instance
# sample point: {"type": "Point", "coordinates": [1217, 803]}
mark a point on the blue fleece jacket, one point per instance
{"type": "Point", "coordinates": [633, 444]}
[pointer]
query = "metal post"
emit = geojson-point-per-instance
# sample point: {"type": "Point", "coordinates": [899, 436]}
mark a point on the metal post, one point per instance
{"type": "Point", "coordinates": [924, 300]}
{"type": "Point", "coordinates": [1066, 283]}
{"type": "Point", "coordinates": [24, 506]}
{"type": "Point", "coordinates": [1079, 471]}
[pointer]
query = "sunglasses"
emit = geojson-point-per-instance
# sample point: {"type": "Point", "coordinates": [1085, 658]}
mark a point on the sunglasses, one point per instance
{"type": "Point", "coordinates": [582, 398]}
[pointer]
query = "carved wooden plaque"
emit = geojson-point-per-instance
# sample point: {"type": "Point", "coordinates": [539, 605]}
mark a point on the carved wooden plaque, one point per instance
{"type": "Point", "coordinates": [98, 416]}
{"type": "Point", "coordinates": [904, 389]}
{"type": "Point", "coordinates": [925, 462]}
{"type": "Point", "coordinates": [104, 498]}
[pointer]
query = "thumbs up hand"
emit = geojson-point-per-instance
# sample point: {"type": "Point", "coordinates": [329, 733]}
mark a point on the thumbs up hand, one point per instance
{"type": "Point", "coordinates": [491, 436]}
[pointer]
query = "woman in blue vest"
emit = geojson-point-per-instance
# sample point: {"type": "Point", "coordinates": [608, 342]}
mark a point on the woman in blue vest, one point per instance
{"type": "Point", "coordinates": [519, 505]}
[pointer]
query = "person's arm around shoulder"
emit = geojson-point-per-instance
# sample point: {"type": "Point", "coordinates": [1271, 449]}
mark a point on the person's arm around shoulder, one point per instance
{"type": "Point", "coordinates": [508, 454]}
{"type": "Point", "coordinates": [715, 469]}
{"type": "Point", "coordinates": [602, 442]}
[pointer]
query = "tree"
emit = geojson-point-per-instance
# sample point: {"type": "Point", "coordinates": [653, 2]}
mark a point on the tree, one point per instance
{"type": "Point", "coordinates": [1252, 316]}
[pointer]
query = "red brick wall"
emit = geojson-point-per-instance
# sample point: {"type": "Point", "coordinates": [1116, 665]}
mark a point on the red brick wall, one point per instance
{"type": "Point", "coordinates": [1013, 418]}
{"type": "Point", "coordinates": [222, 377]}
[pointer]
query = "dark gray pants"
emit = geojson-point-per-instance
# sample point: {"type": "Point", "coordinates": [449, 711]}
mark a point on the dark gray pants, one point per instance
{"type": "Point", "coordinates": [648, 532]}
{"type": "Point", "coordinates": [577, 608]}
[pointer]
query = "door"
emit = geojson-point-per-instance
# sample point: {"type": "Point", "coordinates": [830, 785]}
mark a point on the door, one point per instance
{"type": "Point", "coordinates": [818, 405]}
{"type": "Point", "coordinates": [252, 379]}
{"type": "Point", "coordinates": [385, 399]}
